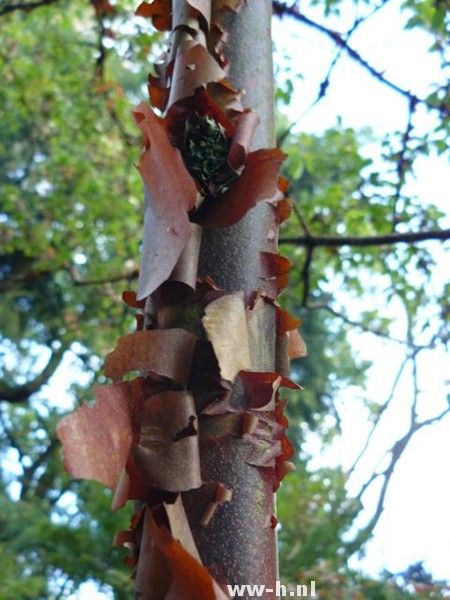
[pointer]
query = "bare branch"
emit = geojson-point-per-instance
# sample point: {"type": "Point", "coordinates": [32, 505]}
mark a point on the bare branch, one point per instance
{"type": "Point", "coordinates": [396, 452]}
{"type": "Point", "coordinates": [397, 449]}
{"type": "Point", "coordinates": [381, 411]}
{"type": "Point", "coordinates": [306, 272]}
{"type": "Point", "coordinates": [402, 162]}
{"type": "Point", "coordinates": [388, 239]}
{"type": "Point", "coordinates": [365, 328]}
{"type": "Point", "coordinates": [303, 222]}
{"type": "Point", "coordinates": [280, 9]}
{"type": "Point", "coordinates": [134, 274]}
{"type": "Point", "coordinates": [25, 6]}
{"type": "Point", "coordinates": [22, 393]}
{"type": "Point", "coordinates": [323, 86]}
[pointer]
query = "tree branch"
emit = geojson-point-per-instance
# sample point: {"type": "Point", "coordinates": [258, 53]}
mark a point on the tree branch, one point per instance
{"type": "Point", "coordinates": [306, 271]}
{"type": "Point", "coordinates": [412, 237]}
{"type": "Point", "coordinates": [21, 393]}
{"type": "Point", "coordinates": [402, 161]}
{"type": "Point", "coordinates": [396, 452]}
{"type": "Point", "coordinates": [381, 411]}
{"type": "Point", "coordinates": [280, 9]}
{"type": "Point", "coordinates": [10, 435]}
{"type": "Point", "coordinates": [366, 329]}
{"type": "Point", "coordinates": [134, 274]}
{"type": "Point", "coordinates": [398, 448]}
{"type": "Point", "coordinates": [26, 6]}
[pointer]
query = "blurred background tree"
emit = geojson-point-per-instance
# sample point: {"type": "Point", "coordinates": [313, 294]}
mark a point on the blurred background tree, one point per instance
{"type": "Point", "coordinates": [70, 230]}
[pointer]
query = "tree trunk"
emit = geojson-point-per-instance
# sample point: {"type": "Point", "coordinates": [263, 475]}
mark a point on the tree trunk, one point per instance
{"type": "Point", "coordinates": [198, 440]}
{"type": "Point", "coordinates": [240, 538]}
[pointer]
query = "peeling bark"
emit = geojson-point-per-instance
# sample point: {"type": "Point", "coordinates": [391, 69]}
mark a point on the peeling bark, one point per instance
{"type": "Point", "coordinates": [198, 439]}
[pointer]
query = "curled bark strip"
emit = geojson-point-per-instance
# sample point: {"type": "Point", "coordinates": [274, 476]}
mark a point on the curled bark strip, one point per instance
{"type": "Point", "coordinates": [233, 5]}
{"type": "Point", "coordinates": [262, 446]}
{"type": "Point", "coordinates": [133, 486]}
{"type": "Point", "coordinates": [289, 336]}
{"type": "Point", "coordinates": [166, 232]}
{"type": "Point", "coordinates": [297, 347]}
{"type": "Point", "coordinates": [163, 461]}
{"type": "Point", "coordinates": [194, 68]}
{"type": "Point", "coordinates": [159, 11]}
{"type": "Point", "coordinates": [283, 468]}
{"type": "Point", "coordinates": [258, 182]}
{"type": "Point", "coordinates": [275, 272]}
{"type": "Point", "coordinates": [122, 491]}
{"type": "Point", "coordinates": [190, 580]}
{"type": "Point", "coordinates": [97, 439]}
{"type": "Point", "coordinates": [216, 40]}
{"type": "Point", "coordinates": [203, 7]}
{"type": "Point", "coordinates": [283, 210]}
{"type": "Point", "coordinates": [262, 452]}
{"type": "Point", "coordinates": [285, 321]}
{"type": "Point", "coordinates": [257, 312]}
{"type": "Point", "coordinates": [241, 143]}
{"type": "Point", "coordinates": [170, 194]}
{"type": "Point", "coordinates": [125, 539]}
{"type": "Point", "coordinates": [158, 92]}
{"type": "Point", "coordinates": [204, 502]}
{"type": "Point", "coordinates": [185, 66]}
{"type": "Point", "coordinates": [158, 86]}
{"type": "Point", "coordinates": [156, 351]}
{"type": "Point", "coordinates": [268, 445]}
{"type": "Point", "coordinates": [184, 20]}
{"type": "Point", "coordinates": [205, 382]}
{"type": "Point", "coordinates": [227, 99]}
{"type": "Point", "coordinates": [130, 299]}
{"type": "Point", "coordinates": [153, 574]}
{"type": "Point", "coordinates": [249, 423]}
{"type": "Point", "coordinates": [222, 494]}
{"type": "Point", "coordinates": [282, 361]}
{"type": "Point", "coordinates": [226, 327]}
{"type": "Point", "coordinates": [185, 270]}
{"type": "Point", "coordinates": [261, 388]}
{"type": "Point", "coordinates": [179, 526]}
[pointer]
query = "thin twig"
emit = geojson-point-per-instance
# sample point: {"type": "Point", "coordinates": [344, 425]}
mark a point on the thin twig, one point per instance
{"type": "Point", "coordinates": [323, 86]}
{"type": "Point", "coordinates": [380, 413]}
{"type": "Point", "coordinates": [129, 276]}
{"type": "Point", "coordinates": [305, 276]}
{"type": "Point", "coordinates": [359, 325]}
{"type": "Point", "coordinates": [411, 237]}
{"type": "Point", "coordinates": [302, 220]}
{"type": "Point", "coordinates": [281, 9]}
{"type": "Point", "coordinates": [401, 162]}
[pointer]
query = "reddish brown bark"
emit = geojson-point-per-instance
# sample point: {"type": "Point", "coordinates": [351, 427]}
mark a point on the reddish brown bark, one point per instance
{"type": "Point", "coordinates": [199, 437]}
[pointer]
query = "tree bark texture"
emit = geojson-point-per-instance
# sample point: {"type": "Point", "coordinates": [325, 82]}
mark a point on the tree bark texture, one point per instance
{"type": "Point", "coordinates": [198, 439]}
{"type": "Point", "coordinates": [240, 538]}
